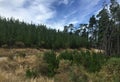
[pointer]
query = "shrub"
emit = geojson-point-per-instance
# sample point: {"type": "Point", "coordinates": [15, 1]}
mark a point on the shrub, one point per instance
{"type": "Point", "coordinates": [77, 57]}
{"type": "Point", "coordinates": [42, 69]}
{"type": "Point", "coordinates": [66, 56]}
{"type": "Point", "coordinates": [63, 72]}
{"type": "Point", "coordinates": [31, 73]}
{"type": "Point", "coordinates": [21, 54]}
{"type": "Point", "coordinates": [113, 65]}
{"type": "Point", "coordinates": [10, 57]}
{"type": "Point", "coordinates": [78, 74]}
{"type": "Point", "coordinates": [110, 72]}
{"type": "Point", "coordinates": [93, 62]}
{"type": "Point", "coordinates": [52, 61]}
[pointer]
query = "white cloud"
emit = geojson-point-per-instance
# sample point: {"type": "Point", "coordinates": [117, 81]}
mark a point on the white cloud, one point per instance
{"type": "Point", "coordinates": [64, 2]}
{"type": "Point", "coordinates": [39, 11]}
{"type": "Point", "coordinates": [70, 14]}
{"type": "Point", "coordinates": [84, 10]}
{"type": "Point", "coordinates": [62, 23]}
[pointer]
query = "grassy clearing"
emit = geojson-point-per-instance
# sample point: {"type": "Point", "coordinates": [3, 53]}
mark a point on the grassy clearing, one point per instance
{"type": "Point", "coordinates": [33, 65]}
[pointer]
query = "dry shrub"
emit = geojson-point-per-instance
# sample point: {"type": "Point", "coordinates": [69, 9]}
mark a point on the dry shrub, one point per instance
{"type": "Point", "coordinates": [14, 70]}
{"type": "Point", "coordinates": [8, 66]}
{"type": "Point", "coordinates": [97, 50]}
{"type": "Point", "coordinates": [64, 66]}
{"type": "Point", "coordinates": [19, 44]}
{"type": "Point", "coordinates": [3, 59]}
{"type": "Point", "coordinates": [63, 71]}
{"type": "Point", "coordinates": [78, 74]}
{"type": "Point", "coordinates": [2, 78]}
{"type": "Point", "coordinates": [10, 77]}
{"type": "Point", "coordinates": [62, 77]}
{"type": "Point", "coordinates": [68, 73]}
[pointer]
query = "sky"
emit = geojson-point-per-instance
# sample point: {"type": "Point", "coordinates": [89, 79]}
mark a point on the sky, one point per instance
{"type": "Point", "coordinates": [53, 13]}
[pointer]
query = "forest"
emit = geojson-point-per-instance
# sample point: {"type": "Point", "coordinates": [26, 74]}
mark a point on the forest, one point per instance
{"type": "Point", "coordinates": [102, 32]}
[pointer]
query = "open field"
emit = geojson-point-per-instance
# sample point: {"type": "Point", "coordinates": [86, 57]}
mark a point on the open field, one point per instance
{"type": "Point", "coordinates": [14, 64]}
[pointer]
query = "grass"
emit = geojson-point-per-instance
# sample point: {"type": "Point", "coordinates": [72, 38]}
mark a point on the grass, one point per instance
{"type": "Point", "coordinates": [14, 64]}
{"type": "Point", "coordinates": [13, 68]}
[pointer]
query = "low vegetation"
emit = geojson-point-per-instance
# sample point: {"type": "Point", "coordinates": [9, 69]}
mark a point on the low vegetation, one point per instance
{"type": "Point", "coordinates": [64, 66]}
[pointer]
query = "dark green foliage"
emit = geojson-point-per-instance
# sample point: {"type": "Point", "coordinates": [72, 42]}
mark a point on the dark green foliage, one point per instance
{"type": "Point", "coordinates": [112, 69]}
{"type": "Point", "coordinates": [109, 28]}
{"type": "Point", "coordinates": [66, 55]}
{"type": "Point", "coordinates": [42, 69]}
{"type": "Point", "coordinates": [31, 73]}
{"type": "Point", "coordinates": [52, 61]}
{"type": "Point", "coordinates": [93, 31]}
{"type": "Point", "coordinates": [113, 65]}
{"type": "Point", "coordinates": [91, 61]}
{"type": "Point", "coordinates": [14, 33]}
{"type": "Point", "coordinates": [96, 62]}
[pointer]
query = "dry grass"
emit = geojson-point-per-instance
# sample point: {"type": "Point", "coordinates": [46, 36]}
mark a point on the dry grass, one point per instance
{"type": "Point", "coordinates": [10, 77]}
{"type": "Point", "coordinates": [96, 50]}
{"type": "Point", "coordinates": [28, 51]}
{"type": "Point", "coordinates": [13, 66]}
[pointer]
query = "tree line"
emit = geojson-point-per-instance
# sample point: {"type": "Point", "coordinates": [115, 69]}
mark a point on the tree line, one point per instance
{"type": "Point", "coordinates": [14, 33]}
{"type": "Point", "coordinates": [103, 30]}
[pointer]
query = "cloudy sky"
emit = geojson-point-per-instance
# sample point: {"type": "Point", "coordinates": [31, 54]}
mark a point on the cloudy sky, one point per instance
{"type": "Point", "coordinates": [53, 13]}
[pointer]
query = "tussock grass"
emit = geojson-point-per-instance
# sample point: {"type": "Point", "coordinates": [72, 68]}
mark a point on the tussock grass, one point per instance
{"type": "Point", "coordinates": [13, 68]}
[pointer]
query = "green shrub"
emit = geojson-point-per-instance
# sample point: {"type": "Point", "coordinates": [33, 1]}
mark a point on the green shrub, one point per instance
{"type": "Point", "coordinates": [93, 62]}
{"type": "Point", "coordinates": [52, 61]}
{"type": "Point", "coordinates": [110, 72]}
{"type": "Point", "coordinates": [77, 57]}
{"type": "Point", "coordinates": [31, 73]}
{"type": "Point", "coordinates": [66, 55]}
{"type": "Point", "coordinates": [113, 65]}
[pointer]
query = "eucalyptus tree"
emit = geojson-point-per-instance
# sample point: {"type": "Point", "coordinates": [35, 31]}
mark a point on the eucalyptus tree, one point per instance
{"type": "Point", "coordinates": [115, 17]}
{"type": "Point", "coordinates": [92, 30]}
{"type": "Point", "coordinates": [103, 26]}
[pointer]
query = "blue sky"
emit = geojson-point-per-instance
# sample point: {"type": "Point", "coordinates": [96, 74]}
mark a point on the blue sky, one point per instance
{"type": "Point", "coordinates": [53, 13]}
